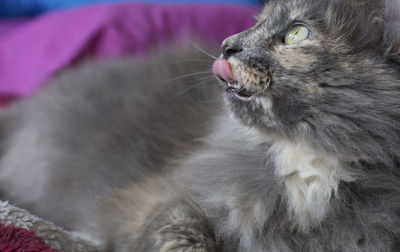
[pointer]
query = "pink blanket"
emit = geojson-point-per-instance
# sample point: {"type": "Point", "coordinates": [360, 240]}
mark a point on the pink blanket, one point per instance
{"type": "Point", "coordinates": [35, 51]}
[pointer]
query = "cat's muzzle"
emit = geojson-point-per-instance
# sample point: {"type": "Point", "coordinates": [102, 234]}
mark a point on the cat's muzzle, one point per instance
{"type": "Point", "coordinates": [222, 70]}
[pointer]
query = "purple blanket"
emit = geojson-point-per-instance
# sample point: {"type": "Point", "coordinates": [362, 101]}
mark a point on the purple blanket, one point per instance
{"type": "Point", "coordinates": [30, 54]}
{"type": "Point", "coordinates": [7, 26]}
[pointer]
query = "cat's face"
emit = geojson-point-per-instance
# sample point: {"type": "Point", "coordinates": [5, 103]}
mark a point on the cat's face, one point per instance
{"type": "Point", "coordinates": [310, 67]}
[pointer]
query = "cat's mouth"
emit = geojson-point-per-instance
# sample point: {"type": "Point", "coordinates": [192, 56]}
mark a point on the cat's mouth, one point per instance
{"type": "Point", "coordinates": [239, 91]}
{"type": "Point", "coordinates": [222, 71]}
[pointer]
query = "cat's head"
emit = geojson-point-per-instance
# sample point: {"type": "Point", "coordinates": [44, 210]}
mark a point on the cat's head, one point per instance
{"type": "Point", "coordinates": [321, 71]}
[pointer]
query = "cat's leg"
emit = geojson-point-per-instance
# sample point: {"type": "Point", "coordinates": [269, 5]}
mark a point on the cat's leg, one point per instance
{"type": "Point", "coordinates": [176, 227]}
{"type": "Point", "coordinates": [151, 216]}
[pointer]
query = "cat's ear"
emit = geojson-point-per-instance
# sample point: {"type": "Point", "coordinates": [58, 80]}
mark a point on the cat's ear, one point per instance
{"type": "Point", "coordinates": [392, 26]}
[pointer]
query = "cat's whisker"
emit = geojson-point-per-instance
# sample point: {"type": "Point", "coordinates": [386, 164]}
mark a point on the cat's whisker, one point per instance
{"type": "Point", "coordinates": [186, 76]}
{"type": "Point", "coordinates": [210, 86]}
{"type": "Point", "coordinates": [213, 79]}
{"type": "Point", "coordinates": [213, 85]}
{"type": "Point", "coordinates": [191, 87]}
{"type": "Point", "coordinates": [191, 60]}
{"type": "Point", "coordinates": [202, 50]}
{"type": "Point", "coordinates": [207, 77]}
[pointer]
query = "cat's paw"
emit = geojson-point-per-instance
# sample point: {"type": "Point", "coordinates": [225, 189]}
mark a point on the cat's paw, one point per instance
{"type": "Point", "coordinates": [184, 238]}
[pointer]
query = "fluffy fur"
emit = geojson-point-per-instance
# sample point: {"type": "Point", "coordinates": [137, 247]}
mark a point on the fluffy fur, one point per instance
{"type": "Point", "coordinates": [310, 162]}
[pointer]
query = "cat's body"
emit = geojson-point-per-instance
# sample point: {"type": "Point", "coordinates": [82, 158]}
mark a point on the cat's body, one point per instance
{"type": "Point", "coordinates": [300, 154]}
{"type": "Point", "coordinates": [108, 118]}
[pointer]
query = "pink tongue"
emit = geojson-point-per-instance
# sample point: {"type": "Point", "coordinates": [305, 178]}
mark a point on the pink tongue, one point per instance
{"type": "Point", "coordinates": [222, 69]}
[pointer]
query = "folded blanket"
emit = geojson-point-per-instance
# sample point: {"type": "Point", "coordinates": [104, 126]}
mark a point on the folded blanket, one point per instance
{"type": "Point", "coordinates": [14, 239]}
{"type": "Point", "coordinates": [21, 231]}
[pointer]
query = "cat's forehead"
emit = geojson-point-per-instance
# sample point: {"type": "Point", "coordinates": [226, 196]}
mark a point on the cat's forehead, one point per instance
{"type": "Point", "coordinates": [339, 16]}
{"type": "Point", "coordinates": [278, 9]}
{"type": "Point", "coordinates": [278, 13]}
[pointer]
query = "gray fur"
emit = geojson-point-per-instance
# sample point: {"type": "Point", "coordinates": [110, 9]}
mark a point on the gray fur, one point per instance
{"type": "Point", "coordinates": [83, 135]}
{"type": "Point", "coordinates": [142, 171]}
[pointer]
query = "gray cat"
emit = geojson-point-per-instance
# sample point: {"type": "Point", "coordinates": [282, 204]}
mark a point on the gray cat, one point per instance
{"type": "Point", "coordinates": [301, 152]}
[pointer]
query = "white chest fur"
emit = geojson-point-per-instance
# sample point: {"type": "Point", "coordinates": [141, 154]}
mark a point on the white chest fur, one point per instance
{"type": "Point", "coordinates": [311, 179]}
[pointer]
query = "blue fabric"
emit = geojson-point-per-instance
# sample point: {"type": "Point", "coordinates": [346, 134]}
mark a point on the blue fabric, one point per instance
{"type": "Point", "coordinates": [14, 8]}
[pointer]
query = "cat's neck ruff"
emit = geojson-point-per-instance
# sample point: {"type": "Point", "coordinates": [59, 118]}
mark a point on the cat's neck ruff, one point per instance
{"type": "Point", "coordinates": [311, 179]}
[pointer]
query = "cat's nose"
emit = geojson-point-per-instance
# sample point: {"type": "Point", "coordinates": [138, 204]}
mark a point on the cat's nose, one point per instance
{"type": "Point", "coordinates": [229, 49]}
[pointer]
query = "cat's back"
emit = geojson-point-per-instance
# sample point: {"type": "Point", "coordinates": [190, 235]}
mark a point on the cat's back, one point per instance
{"type": "Point", "coordinates": [101, 125]}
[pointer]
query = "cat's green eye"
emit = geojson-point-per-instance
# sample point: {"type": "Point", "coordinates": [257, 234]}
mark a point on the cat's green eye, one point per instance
{"type": "Point", "coordinates": [296, 34]}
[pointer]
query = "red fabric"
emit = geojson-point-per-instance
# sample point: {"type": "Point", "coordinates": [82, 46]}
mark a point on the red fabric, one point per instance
{"type": "Point", "coordinates": [15, 239]}
{"type": "Point", "coordinates": [5, 100]}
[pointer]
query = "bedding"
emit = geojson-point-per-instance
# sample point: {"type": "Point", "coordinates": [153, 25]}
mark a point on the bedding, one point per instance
{"type": "Point", "coordinates": [21, 231]}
